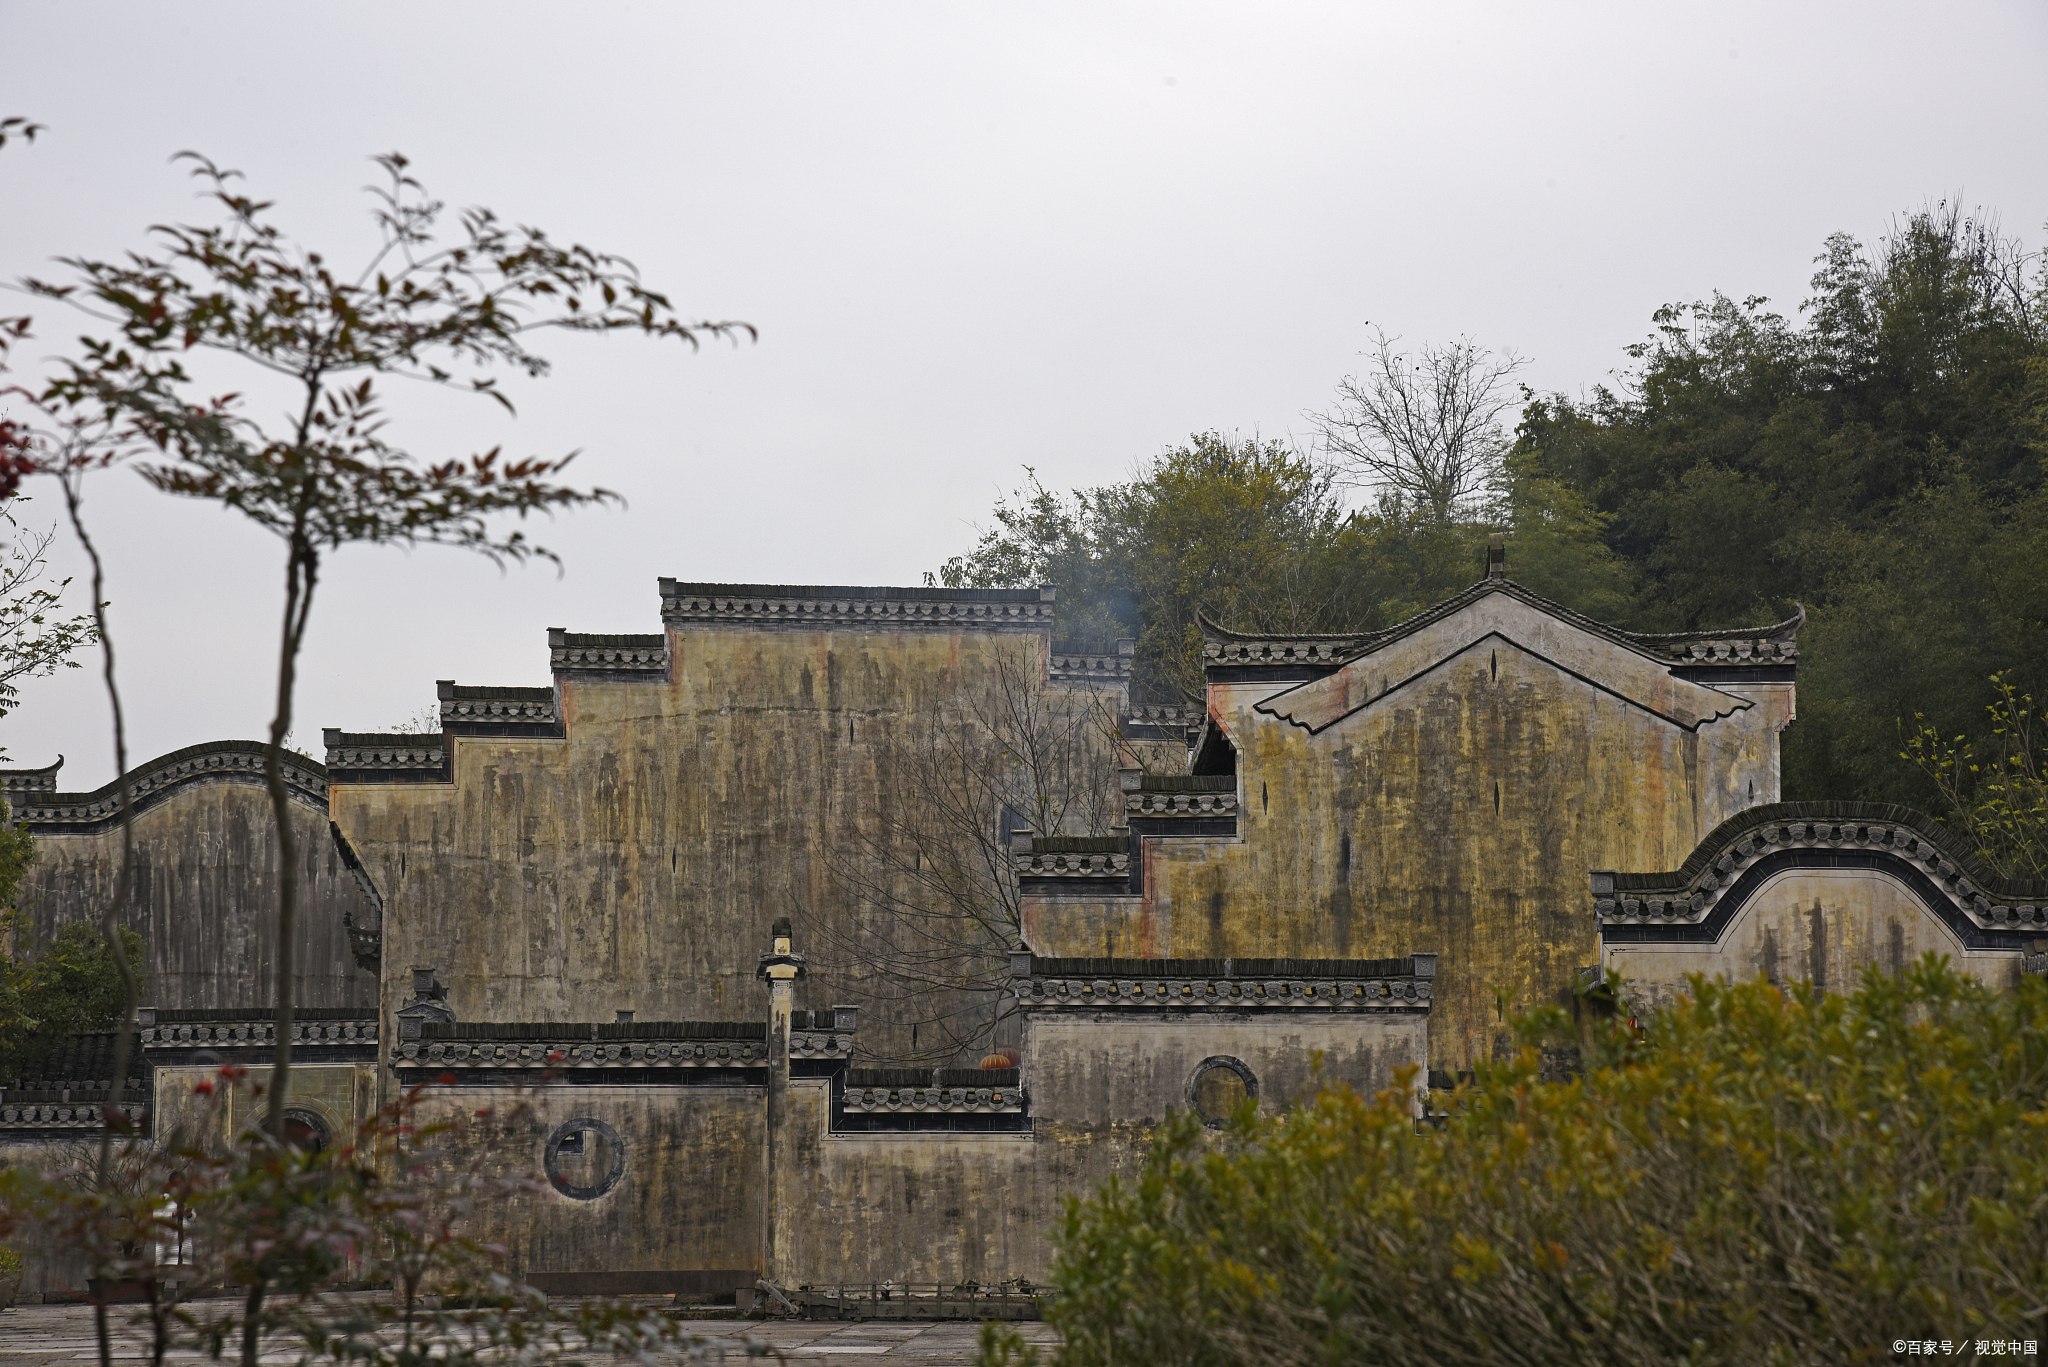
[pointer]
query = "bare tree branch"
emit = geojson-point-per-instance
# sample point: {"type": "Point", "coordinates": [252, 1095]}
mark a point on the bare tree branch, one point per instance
{"type": "Point", "coordinates": [1423, 428]}
{"type": "Point", "coordinates": [938, 907]}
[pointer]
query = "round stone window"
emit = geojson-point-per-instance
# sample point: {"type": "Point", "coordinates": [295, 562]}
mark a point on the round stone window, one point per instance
{"type": "Point", "coordinates": [1220, 1085]}
{"type": "Point", "coordinates": [306, 1130]}
{"type": "Point", "coordinates": [585, 1158]}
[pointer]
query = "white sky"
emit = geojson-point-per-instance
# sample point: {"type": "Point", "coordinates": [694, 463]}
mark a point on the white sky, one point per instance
{"type": "Point", "coordinates": [974, 237]}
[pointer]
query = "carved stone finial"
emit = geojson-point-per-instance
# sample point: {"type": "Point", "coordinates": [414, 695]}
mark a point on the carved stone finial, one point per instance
{"type": "Point", "coordinates": [429, 999]}
{"type": "Point", "coordinates": [782, 963]}
{"type": "Point", "coordinates": [1497, 556]}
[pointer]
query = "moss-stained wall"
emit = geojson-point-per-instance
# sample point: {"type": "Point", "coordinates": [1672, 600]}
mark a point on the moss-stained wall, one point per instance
{"type": "Point", "coordinates": [691, 1195]}
{"type": "Point", "coordinates": [1826, 926]}
{"type": "Point", "coordinates": [637, 862]}
{"type": "Point", "coordinates": [205, 897]}
{"type": "Point", "coordinates": [944, 1207]}
{"type": "Point", "coordinates": [1449, 793]}
{"type": "Point", "coordinates": [341, 1095]}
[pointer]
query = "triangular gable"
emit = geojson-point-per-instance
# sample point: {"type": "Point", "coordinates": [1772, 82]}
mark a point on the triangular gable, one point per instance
{"type": "Point", "coordinates": [1625, 673]}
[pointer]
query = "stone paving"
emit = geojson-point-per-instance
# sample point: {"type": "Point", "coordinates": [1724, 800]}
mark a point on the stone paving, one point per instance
{"type": "Point", "coordinates": [62, 1336]}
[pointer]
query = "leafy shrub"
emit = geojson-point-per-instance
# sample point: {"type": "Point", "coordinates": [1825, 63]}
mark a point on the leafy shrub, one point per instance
{"type": "Point", "coordinates": [1773, 1177]}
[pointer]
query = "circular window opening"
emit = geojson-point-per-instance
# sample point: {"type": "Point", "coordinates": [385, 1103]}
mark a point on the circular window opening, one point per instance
{"type": "Point", "coordinates": [306, 1131]}
{"type": "Point", "coordinates": [585, 1158]}
{"type": "Point", "coordinates": [1220, 1085]}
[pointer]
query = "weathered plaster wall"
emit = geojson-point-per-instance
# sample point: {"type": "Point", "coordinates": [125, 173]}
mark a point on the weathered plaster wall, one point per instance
{"type": "Point", "coordinates": [342, 1095]}
{"type": "Point", "coordinates": [638, 862]}
{"type": "Point", "coordinates": [691, 1197]}
{"type": "Point", "coordinates": [1823, 925]}
{"type": "Point", "coordinates": [943, 1207]}
{"type": "Point", "coordinates": [1095, 1070]}
{"type": "Point", "coordinates": [205, 898]}
{"type": "Point", "coordinates": [1460, 785]}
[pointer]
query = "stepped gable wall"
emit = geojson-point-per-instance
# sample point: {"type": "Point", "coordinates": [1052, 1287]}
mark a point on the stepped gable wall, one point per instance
{"type": "Point", "coordinates": [204, 895]}
{"type": "Point", "coordinates": [1442, 785]}
{"type": "Point", "coordinates": [621, 839]}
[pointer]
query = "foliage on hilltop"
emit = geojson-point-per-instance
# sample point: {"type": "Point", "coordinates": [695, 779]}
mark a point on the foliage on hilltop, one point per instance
{"type": "Point", "coordinates": [1880, 461]}
{"type": "Point", "coordinates": [1255, 536]}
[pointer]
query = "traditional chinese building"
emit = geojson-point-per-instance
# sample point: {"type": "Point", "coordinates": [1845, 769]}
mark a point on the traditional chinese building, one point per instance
{"type": "Point", "coordinates": [1365, 850]}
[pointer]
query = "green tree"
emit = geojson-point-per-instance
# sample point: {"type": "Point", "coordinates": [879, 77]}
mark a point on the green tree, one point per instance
{"type": "Point", "coordinates": [1769, 1177]}
{"type": "Point", "coordinates": [329, 474]}
{"type": "Point", "coordinates": [35, 639]}
{"type": "Point", "coordinates": [1254, 536]}
{"type": "Point", "coordinates": [1879, 461]}
{"type": "Point", "coordinates": [1999, 798]}
{"type": "Point", "coordinates": [70, 985]}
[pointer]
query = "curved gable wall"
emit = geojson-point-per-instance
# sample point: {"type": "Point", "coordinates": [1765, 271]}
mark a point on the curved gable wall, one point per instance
{"type": "Point", "coordinates": [205, 880]}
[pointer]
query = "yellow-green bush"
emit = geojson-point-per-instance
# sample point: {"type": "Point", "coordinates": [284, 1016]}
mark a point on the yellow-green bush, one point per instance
{"type": "Point", "coordinates": [1772, 1177]}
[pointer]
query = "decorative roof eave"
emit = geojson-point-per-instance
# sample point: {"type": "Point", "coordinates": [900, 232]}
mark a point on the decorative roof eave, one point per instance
{"type": "Point", "coordinates": [933, 1100]}
{"type": "Point", "coordinates": [1148, 804]}
{"type": "Point", "coordinates": [1772, 645]}
{"type": "Point", "coordinates": [46, 812]}
{"type": "Point", "coordinates": [1373, 985]}
{"type": "Point", "coordinates": [238, 1034]}
{"type": "Point", "coordinates": [607, 657]}
{"type": "Point", "coordinates": [1979, 903]}
{"type": "Point", "coordinates": [43, 780]}
{"type": "Point", "coordinates": [570, 1054]}
{"type": "Point", "coordinates": [30, 1118]}
{"type": "Point", "coordinates": [1099, 860]}
{"type": "Point", "coordinates": [1109, 667]}
{"type": "Point", "coordinates": [480, 710]}
{"type": "Point", "coordinates": [376, 757]}
{"type": "Point", "coordinates": [827, 608]}
{"type": "Point", "coordinates": [1162, 721]}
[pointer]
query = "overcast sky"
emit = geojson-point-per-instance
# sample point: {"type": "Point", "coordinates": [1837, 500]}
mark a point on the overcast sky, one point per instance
{"type": "Point", "coordinates": [973, 238]}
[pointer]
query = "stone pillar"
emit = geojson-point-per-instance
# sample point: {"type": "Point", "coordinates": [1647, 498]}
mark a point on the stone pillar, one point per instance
{"type": "Point", "coordinates": [780, 968]}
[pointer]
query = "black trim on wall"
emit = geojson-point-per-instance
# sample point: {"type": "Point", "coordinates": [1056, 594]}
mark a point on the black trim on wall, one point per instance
{"type": "Point", "coordinates": [409, 1075]}
{"type": "Point", "coordinates": [1710, 930]}
{"type": "Point", "coordinates": [921, 1122]}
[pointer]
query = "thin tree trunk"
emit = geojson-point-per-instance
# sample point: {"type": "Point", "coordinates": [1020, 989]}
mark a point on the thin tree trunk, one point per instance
{"type": "Point", "coordinates": [110, 914]}
{"type": "Point", "coordinates": [301, 570]}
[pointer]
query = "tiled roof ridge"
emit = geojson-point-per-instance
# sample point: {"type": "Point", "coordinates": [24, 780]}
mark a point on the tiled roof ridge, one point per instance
{"type": "Point", "coordinates": [43, 780]}
{"type": "Point", "coordinates": [1729, 833]}
{"type": "Point", "coordinates": [675, 588]}
{"type": "Point", "coordinates": [386, 740]}
{"type": "Point", "coordinates": [521, 692]}
{"type": "Point", "coordinates": [1402, 967]}
{"type": "Point", "coordinates": [599, 639]}
{"type": "Point", "coordinates": [154, 779]}
{"type": "Point", "coordinates": [1657, 644]}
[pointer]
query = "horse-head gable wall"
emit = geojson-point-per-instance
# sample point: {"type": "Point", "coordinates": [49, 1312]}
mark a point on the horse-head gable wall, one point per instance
{"type": "Point", "coordinates": [204, 896]}
{"type": "Point", "coordinates": [1444, 784]}
{"type": "Point", "coordinates": [1819, 891]}
{"type": "Point", "coordinates": [619, 839]}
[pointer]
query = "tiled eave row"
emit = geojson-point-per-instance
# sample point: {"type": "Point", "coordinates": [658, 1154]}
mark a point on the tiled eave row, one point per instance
{"type": "Point", "coordinates": [1143, 804]}
{"type": "Point", "coordinates": [570, 1054]}
{"type": "Point", "coordinates": [44, 811]}
{"type": "Point", "coordinates": [64, 1115]}
{"type": "Point", "coordinates": [244, 1034]}
{"type": "Point", "coordinates": [1113, 865]}
{"type": "Point", "coordinates": [1181, 994]}
{"type": "Point", "coordinates": [825, 609]}
{"type": "Point", "coordinates": [927, 1100]}
{"type": "Point", "coordinates": [1620, 901]}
